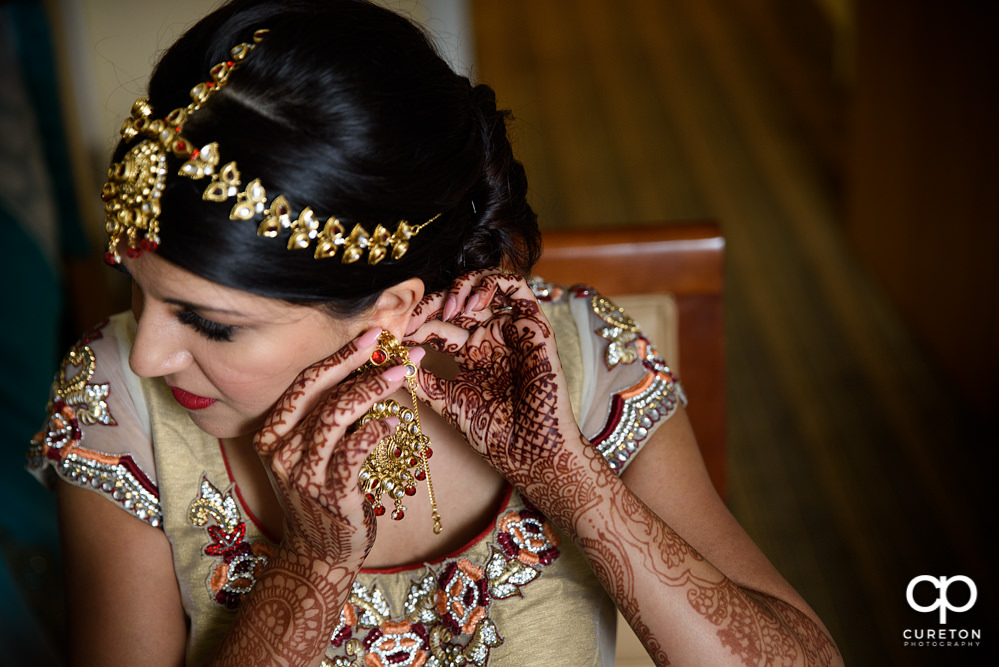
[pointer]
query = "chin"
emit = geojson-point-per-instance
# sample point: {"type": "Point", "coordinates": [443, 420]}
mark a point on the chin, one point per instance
{"type": "Point", "coordinates": [226, 428]}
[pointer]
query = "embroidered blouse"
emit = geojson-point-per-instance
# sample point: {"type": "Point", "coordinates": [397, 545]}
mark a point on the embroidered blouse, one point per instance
{"type": "Point", "coordinates": [519, 592]}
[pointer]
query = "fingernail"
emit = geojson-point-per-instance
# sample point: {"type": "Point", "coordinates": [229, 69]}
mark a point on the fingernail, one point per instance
{"type": "Point", "coordinates": [473, 303]}
{"type": "Point", "coordinates": [368, 338]}
{"type": "Point", "coordinates": [416, 354]}
{"type": "Point", "coordinates": [395, 373]}
{"type": "Point", "coordinates": [450, 306]}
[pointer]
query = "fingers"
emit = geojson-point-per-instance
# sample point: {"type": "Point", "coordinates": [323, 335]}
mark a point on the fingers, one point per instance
{"type": "Point", "coordinates": [311, 386]}
{"type": "Point", "coordinates": [466, 296]}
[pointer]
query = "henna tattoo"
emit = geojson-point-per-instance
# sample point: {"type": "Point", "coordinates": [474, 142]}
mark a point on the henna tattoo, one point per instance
{"type": "Point", "coordinates": [508, 399]}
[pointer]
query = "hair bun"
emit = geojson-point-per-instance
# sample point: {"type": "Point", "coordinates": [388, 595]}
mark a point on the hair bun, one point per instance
{"type": "Point", "coordinates": [504, 229]}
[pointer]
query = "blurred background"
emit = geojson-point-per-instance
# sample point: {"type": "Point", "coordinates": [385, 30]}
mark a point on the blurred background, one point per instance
{"type": "Point", "coordinates": [847, 148]}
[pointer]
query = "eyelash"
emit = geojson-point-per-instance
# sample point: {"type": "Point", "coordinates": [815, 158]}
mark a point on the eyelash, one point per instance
{"type": "Point", "coordinates": [211, 330]}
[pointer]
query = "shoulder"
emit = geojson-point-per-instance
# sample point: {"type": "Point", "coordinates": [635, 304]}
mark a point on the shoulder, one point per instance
{"type": "Point", "coordinates": [96, 434]}
{"type": "Point", "coordinates": [621, 387]}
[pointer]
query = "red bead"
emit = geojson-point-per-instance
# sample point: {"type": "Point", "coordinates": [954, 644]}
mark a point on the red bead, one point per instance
{"type": "Point", "coordinates": [421, 475]}
{"type": "Point", "coordinates": [109, 258]}
{"type": "Point", "coordinates": [410, 490]}
{"type": "Point", "coordinates": [398, 514]}
{"type": "Point", "coordinates": [379, 356]}
{"type": "Point", "coordinates": [379, 510]}
{"type": "Point", "coordinates": [397, 452]}
{"type": "Point", "coordinates": [146, 244]}
{"type": "Point", "coordinates": [133, 252]}
{"type": "Point", "coordinates": [370, 497]}
{"type": "Point", "coordinates": [427, 452]}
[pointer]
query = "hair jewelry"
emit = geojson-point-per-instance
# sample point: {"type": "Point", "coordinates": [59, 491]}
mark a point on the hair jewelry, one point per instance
{"type": "Point", "coordinates": [132, 192]}
{"type": "Point", "coordinates": [389, 469]}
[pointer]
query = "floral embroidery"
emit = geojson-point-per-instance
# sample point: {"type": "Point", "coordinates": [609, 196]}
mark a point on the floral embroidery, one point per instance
{"type": "Point", "coordinates": [528, 537]}
{"type": "Point", "coordinates": [637, 409]}
{"type": "Point", "coordinates": [77, 402]}
{"type": "Point", "coordinates": [446, 614]}
{"type": "Point", "coordinates": [462, 596]}
{"type": "Point", "coordinates": [238, 562]}
{"type": "Point", "coordinates": [622, 332]}
{"type": "Point", "coordinates": [397, 643]}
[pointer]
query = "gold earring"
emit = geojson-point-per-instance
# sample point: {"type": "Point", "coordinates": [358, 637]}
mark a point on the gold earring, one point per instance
{"type": "Point", "coordinates": [389, 469]}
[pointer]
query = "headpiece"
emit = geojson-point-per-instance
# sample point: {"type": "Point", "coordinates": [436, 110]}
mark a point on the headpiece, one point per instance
{"type": "Point", "coordinates": [134, 186]}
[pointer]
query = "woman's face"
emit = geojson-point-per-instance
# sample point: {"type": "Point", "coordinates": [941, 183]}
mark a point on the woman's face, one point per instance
{"type": "Point", "coordinates": [227, 355]}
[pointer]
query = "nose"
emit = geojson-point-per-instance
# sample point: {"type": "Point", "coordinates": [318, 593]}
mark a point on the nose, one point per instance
{"type": "Point", "coordinates": [160, 343]}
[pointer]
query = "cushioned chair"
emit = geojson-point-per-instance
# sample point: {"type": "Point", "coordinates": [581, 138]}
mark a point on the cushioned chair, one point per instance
{"type": "Point", "coordinates": [668, 277]}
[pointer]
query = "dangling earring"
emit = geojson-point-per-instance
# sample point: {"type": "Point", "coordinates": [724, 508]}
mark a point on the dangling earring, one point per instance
{"type": "Point", "coordinates": [389, 469]}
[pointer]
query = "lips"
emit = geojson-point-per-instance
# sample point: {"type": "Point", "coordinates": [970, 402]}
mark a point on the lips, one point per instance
{"type": "Point", "coordinates": [191, 401]}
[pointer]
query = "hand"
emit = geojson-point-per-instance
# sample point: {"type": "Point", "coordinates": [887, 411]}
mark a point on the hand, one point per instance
{"type": "Point", "coordinates": [508, 397]}
{"type": "Point", "coordinates": [469, 294]}
{"type": "Point", "coordinates": [313, 458]}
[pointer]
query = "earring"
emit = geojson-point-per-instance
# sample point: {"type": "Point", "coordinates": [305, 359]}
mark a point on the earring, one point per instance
{"type": "Point", "coordinates": [400, 460]}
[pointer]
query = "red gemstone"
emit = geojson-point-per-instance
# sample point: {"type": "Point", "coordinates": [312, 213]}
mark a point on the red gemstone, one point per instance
{"type": "Point", "coordinates": [133, 252]}
{"type": "Point", "coordinates": [379, 356]}
{"type": "Point", "coordinates": [370, 497]}
{"type": "Point", "coordinates": [398, 514]}
{"type": "Point", "coordinates": [379, 510]}
{"type": "Point", "coordinates": [410, 490]}
{"type": "Point", "coordinates": [146, 245]}
{"type": "Point", "coordinates": [397, 452]}
{"type": "Point", "coordinates": [421, 475]}
{"type": "Point", "coordinates": [109, 258]}
{"type": "Point", "coordinates": [427, 452]}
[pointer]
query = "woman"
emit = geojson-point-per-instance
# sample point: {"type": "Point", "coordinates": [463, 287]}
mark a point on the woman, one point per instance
{"type": "Point", "coordinates": [327, 189]}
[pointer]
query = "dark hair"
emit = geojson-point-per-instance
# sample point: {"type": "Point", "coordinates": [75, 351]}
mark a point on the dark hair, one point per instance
{"type": "Point", "coordinates": [347, 108]}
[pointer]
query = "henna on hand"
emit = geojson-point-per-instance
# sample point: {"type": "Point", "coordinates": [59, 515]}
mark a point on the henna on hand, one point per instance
{"type": "Point", "coordinates": [508, 399]}
{"type": "Point", "coordinates": [313, 456]}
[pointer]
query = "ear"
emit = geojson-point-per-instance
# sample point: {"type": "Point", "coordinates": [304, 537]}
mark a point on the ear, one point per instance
{"type": "Point", "coordinates": [395, 306]}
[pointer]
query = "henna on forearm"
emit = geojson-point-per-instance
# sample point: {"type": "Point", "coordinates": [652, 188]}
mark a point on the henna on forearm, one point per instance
{"type": "Point", "coordinates": [629, 547]}
{"type": "Point", "coordinates": [509, 400]}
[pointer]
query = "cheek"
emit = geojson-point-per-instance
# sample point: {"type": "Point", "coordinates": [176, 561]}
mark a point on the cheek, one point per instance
{"type": "Point", "coordinates": [257, 381]}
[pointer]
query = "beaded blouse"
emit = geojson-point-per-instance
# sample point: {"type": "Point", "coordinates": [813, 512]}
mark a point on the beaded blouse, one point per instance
{"type": "Point", "coordinates": [518, 592]}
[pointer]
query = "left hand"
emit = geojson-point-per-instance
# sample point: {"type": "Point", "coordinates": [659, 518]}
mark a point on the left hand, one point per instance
{"type": "Point", "coordinates": [509, 397]}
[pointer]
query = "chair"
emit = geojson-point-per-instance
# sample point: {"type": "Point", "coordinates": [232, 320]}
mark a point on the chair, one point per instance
{"type": "Point", "coordinates": [668, 277]}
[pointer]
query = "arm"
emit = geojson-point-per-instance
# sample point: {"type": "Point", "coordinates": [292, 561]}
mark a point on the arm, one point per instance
{"type": "Point", "coordinates": [313, 462]}
{"type": "Point", "coordinates": [122, 601]}
{"type": "Point", "coordinates": [509, 399]}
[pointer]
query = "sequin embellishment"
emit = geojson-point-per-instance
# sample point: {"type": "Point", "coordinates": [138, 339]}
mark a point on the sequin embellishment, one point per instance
{"type": "Point", "coordinates": [622, 332]}
{"type": "Point", "coordinates": [77, 401]}
{"type": "Point", "coordinates": [637, 409]}
{"type": "Point", "coordinates": [238, 562]}
{"type": "Point", "coordinates": [446, 619]}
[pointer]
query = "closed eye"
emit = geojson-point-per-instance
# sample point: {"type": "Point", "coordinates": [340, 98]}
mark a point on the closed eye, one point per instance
{"type": "Point", "coordinates": [213, 331]}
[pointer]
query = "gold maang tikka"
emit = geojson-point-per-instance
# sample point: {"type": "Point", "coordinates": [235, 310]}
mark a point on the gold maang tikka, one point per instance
{"type": "Point", "coordinates": [399, 461]}
{"type": "Point", "coordinates": [135, 184]}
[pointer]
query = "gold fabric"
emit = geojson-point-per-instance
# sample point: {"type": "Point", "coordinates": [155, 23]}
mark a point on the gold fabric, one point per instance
{"type": "Point", "coordinates": [561, 616]}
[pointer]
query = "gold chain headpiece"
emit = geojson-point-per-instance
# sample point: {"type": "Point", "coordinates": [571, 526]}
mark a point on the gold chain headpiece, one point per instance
{"type": "Point", "coordinates": [132, 192]}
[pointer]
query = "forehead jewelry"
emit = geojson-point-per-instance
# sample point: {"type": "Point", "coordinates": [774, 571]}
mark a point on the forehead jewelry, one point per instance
{"type": "Point", "coordinates": [132, 192]}
{"type": "Point", "coordinates": [400, 460]}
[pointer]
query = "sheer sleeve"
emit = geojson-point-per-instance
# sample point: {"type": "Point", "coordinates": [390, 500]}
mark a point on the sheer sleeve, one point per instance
{"type": "Point", "coordinates": [97, 433]}
{"type": "Point", "coordinates": [621, 387]}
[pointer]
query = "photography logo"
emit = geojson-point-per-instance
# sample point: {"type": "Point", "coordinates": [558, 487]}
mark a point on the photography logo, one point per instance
{"type": "Point", "coordinates": [940, 601]}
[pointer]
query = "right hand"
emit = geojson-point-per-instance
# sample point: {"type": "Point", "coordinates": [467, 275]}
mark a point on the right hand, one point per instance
{"type": "Point", "coordinates": [313, 457]}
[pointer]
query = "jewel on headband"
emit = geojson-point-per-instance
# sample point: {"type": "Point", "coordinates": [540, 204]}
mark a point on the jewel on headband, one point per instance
{"type": "Point", "coordinates": [132, 192]}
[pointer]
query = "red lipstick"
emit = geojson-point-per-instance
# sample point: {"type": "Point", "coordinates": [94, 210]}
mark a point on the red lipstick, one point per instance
{"type": "Point", "coordinates": [191, 401]}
